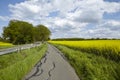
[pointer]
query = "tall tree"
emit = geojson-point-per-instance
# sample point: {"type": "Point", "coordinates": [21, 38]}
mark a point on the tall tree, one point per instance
{"type": "Point", "coordinates": [18, 32]}
{"type": "Point", "coordinates": [42, 33]}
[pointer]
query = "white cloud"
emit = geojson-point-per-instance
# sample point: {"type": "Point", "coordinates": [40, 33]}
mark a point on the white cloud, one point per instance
{"type": "Point", "coordinates": [111, 7]}
{"type": "Point", "coordinates": [4, 18]}
{"type": "Point", "coordinates": [73, 19]}
{"type": "Point", "coordinates": [109, 29]}
{"type": "Point", "coordinates": [89, 16]}
{"type": "Point", "coordinates": [112, 25]}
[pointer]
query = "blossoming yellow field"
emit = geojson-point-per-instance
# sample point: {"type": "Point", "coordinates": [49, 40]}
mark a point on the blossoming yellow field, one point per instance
{"type": "Point", "coordinates": [107, 48]}
{"type": "Point", "coordinates": [5, 44]}
{"type": "Point", "coordinates": [91, 43]}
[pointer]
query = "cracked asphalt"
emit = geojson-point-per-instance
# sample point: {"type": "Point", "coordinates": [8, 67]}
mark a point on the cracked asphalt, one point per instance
{"type": "Point", "coordinates": [53, 66]}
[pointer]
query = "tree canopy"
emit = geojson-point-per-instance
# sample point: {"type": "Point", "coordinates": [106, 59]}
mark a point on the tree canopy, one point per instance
{"type": "Point", "coordinates": [21, 32]}
{"type": "Point", "coordinates": [43, 32]}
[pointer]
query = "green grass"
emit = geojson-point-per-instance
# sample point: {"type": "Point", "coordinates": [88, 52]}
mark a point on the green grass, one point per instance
{"type": "Point", "coordinates": [90, 66]}
{"type": "Point", "coordinates": [16, 65]}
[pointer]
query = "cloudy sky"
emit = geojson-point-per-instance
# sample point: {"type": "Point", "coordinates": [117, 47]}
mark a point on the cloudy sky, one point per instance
{"type": "Point", "coordinates": [66, 18]}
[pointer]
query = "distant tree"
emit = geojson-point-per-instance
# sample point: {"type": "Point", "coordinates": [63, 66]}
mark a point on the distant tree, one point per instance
{"type": "Point", "coordinates": [1, 39]}
{"type": "Point", "coordinates": [41, 33]}
{"type": "Point", "coordinates": [98, 38]}
{"type": "Point", "coordinates": [18, 32]}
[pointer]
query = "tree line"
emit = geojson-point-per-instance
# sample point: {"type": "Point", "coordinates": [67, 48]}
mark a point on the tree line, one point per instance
{"type": "Point", "coordinates": [80, 39]}
{"type": "Point", "coordinates": [21, 32]}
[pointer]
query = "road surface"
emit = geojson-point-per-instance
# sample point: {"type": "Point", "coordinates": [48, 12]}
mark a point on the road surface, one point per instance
{"type": "Point", "coordinates": [53, 66]}
{"type": "Point", "coordinates": [17, 48]}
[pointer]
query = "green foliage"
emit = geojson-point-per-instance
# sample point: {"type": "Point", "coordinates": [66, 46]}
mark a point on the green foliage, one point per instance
{"type": "Point", "coordinates": [16, 65]}
{"type": "Point", "coordinates": [42, 33]}
{"type": "Point", "coordinates": [81, 39]}
{"type": "Point", "coordinates": [68, 39]}
{"type": "Point", "coordinates": [90, 66]}
{"type": "Point", "coordinates": [1, 39]}
{"type": "Point", "coordinates": [21, 32]}
{"type": "Point", "coordinates": [18, 32]}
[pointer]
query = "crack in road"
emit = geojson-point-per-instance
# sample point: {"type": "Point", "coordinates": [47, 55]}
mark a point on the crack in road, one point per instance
{"type": "Point", "coordinates": [49, 73]}
{"type": "Point", "coordinates": [45, 58]}
{"type": "Point", "coordinates": [38, 66]}
{"type": "Point", "coordinates": [40, 73]}
{"type": "Point", "coordinates": [52, 66]}
{"type": "Point", "coordinates": [37, 70]}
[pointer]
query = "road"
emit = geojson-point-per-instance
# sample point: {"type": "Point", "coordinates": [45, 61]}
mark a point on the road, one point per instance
{"type": "Point", "coordinates": [53, 66]}
{"type": "Point", "coordinates": [17, 48]}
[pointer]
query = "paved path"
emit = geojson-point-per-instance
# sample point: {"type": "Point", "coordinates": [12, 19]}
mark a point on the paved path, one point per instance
{"type": "Point", "coordinates": [53, 66]}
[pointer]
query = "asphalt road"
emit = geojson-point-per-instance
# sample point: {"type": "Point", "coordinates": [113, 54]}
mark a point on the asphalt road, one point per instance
{"type": "Point", "coordinates": [17, 48]}
{"type": "Point", "coordinates": [53, 66]}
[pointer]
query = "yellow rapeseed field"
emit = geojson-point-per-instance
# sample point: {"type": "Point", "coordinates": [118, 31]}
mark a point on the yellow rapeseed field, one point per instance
{"type": "Point", "coordinates": [5, 44]}
{"type": "Point", "coordinates": [107, 48]}
{"type": "Point", "coordinates": [92, 43]}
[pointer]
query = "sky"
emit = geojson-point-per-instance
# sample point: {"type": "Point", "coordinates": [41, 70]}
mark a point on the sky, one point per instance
{"type": "Point", "coordinates": [66, 18]}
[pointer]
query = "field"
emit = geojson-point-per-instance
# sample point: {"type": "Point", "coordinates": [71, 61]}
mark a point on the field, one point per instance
{"type": "Point", "coordinates": [5, 45]}
{"type": "Point", "coordinates": [93, 59]}
{"type": "Point", "coordinates": [108, 48]}
{"type": "Point", "coordinates": [15, 66]}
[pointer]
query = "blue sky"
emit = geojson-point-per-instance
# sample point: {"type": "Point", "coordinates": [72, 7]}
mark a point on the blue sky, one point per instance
{"type": "Point", "coordinates": [66, 18]}
{"type": "Point", "coordinates": [4, 11]}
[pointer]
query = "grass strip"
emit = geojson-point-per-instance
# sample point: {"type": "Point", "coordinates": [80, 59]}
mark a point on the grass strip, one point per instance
{"type": "Point", "coordinates": [21, 67]}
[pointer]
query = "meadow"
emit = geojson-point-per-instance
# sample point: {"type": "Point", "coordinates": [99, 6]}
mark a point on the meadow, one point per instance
{"type": "Point", "coordinates": [93, 59]}
{"type": "Point", "coordinates": [16, 65]}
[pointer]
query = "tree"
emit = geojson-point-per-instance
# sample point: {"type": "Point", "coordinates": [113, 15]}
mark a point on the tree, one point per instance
{"type": "Point", "coordinates": [1, 39]}
{"type": "Point", "coordinates": [18, 32]}
{"type": "Point", "coordinates": [42, 33]}
{"type": "Point", "coordinates": [21, 32]}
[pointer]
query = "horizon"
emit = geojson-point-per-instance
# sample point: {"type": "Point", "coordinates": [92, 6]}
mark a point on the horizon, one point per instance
{"type": "Point", "coordinates": [79, 18]}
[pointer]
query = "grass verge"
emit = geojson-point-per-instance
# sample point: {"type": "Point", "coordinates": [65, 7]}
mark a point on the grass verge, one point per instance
{"type": "Point", "coordinates": [16, 65]}
{"type": "Point", "coordinates": [90, 66]}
